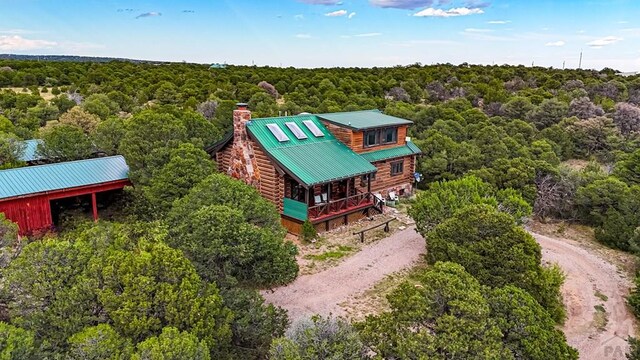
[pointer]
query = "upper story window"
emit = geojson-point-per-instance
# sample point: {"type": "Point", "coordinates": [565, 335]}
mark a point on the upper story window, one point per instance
{"type": "Point", "coordinates": [383, 136]}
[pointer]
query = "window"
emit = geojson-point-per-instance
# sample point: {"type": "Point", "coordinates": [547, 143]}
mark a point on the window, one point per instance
{"type": "Point", "coordinates": [380, 136]}
{"type": "Point", "coordinates": [397, 168]}
{"type": "Point", "coordinates": [313, 128]}
{"type": "Point", "coordinates": [296, 130]}
{"type": "Point", "coordinates": [371, 138]}
{"type": "Point", "coordinates": [390, 135]}
{"type": "Point", "coordinates": [277, 132]}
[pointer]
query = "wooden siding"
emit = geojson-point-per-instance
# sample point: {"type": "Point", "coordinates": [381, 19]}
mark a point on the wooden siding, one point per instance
{"type": "Point", "coordinates": [357, 144]}
{"type": "Point", "coordinates": [293, 226]}
{"type": "Point", "coordinates": [223, 158]}
{"type": "Point", "coordinates": [341, 133]}
{"type": "Point", "coordinates": [31, 214]}
{"type": "Point", "coordinates": [355, 139]}
{"type": "Point", "coordinates": [271, 182]}
{"type": "Point", "coordinates": [384, 182]}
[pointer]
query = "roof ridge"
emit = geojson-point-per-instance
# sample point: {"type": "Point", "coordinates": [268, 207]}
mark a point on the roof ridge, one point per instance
{"type": "Point", "coordinates": [61, 163]}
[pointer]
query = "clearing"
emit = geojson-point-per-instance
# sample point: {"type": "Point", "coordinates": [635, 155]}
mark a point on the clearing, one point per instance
{"type": "Point", "coordinates": [322, 292]}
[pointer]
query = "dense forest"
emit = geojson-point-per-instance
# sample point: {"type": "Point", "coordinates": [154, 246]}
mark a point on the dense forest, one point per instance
{"type": "Point", "coordinates": [175, 271]}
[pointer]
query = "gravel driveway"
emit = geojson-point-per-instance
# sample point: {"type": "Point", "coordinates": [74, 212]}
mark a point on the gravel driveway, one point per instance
{"type": "Point", "coordinates": [321, 293]}
{"type": "Point", "coordinates": [587, 274]}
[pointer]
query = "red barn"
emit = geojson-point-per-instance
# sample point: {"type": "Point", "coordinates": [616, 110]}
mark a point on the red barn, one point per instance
{"type": "Point", "coordinates": [26, 193]}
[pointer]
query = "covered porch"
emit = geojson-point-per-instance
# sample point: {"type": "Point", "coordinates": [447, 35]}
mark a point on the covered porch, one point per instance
{"type": "Point", "coordinates": [326, 201]}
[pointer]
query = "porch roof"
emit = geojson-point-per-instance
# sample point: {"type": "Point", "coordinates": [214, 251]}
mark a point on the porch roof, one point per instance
{"type": "Point", "coordinates": [312, 160]}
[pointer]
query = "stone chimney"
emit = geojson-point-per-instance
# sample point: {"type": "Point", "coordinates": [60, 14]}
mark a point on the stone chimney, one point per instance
{"type": "Point", "coordinates": [243, 160]}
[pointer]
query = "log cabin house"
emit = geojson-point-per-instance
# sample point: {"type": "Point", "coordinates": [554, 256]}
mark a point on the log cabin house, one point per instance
{"type": "Point", "coordinates": [331, 169]}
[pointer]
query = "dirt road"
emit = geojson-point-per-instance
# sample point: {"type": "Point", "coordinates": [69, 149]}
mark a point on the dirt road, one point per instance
{"type": "Point", "coordinates": [591, 281]}
{"type": "Point", "coordinates": [321, 293]}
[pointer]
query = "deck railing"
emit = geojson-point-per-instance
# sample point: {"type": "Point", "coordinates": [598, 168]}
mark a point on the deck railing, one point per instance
{"type": "Point", "coordinates": [340, 205]}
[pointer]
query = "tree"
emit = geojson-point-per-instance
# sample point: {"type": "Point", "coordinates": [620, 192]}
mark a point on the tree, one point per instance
{"type": "Point", "coordinates": [148, 142]}
{"type": "Point", "coordinates": [16, 343]}
{"type": "Point", "coordinates": [167, 93]}
{"type": "Point", "coordinates": [491, 247]}
{"type": "Point", "coordinates": [550, 112]}
{"type": "Point", "coordinates": [627, 118]}
{"type": "Point", "coordinates": [187, 167]}
{"type": "Point", "coordinates": [270, 89]}
{"type": "Point", "coordinates": [255, 323]}
{"type": "Point", "coordinates": [123, 275]}
{"type": "Point", "coordinates": [10, 244]}
{"type": "Point", "coordinates": [308, 231]}
{"type": "Point", "coordinates": [444, 316]}
{"type": "Point", "coordinates": [628, 169]}
{"type": "Point", "coordinates": [221, 244]}
{"type": "Point", "coordinates": [594, 136]}
{"type": "Point", "coordinates": [583, 108]}
{"type": "Point", "coordinates": [319, 338]}
{"type": "Point", "coordinates": [100, 105]}
{"type": "Point", "coordinates": [208, 109]}
{"type": "Point", "coordinates": [64, 143]}
{"type": "Point", "coordinates": [595, 199]}
{"type": "Point", "coordinates": [80, 118]}
{"type": "Point", "coordinates": [619, 231]}
{"type": "Point", "coordinates": [99, 342]}
{"type": "Point", "coordinates": [172, 345]}
{"type": "Point", "coordinates": [527, 329]}
{"type": "Point", "coordinates": [11, 151]}
{"type": "Point", "coordinates": [109, 134]}
{"type": "Point", "coordinates": [517, 108]}
{"type": "Point", "coordinates": [443, 199]}
{"type": "Point", "coordinates": [219, 189]}
{"type": "Point", "coordinates": [399, 94]}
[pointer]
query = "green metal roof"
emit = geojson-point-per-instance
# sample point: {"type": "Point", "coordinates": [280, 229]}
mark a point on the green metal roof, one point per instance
{"type": "Point", "coordinates": [314, 160]}
{"type": "Point", "coordinates": [66, 175]}
{"type": "Point", "coordinates": [409, 149]}
{"type": "Point", "coordinates": [361, 120]}
{"type": "Point", "coordinates": [29, 153]}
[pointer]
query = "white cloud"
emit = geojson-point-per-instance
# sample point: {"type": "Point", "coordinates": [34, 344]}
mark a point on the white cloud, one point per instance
{"type": "Point", "coordinates": [352, 15]}
{"type": "Point", "coordinates": [609, 40]}
{"type": "Point", "coordinates": [16, 42]}
{"type": "Point", "coordinates": [336, 13]}
{"type": "Point", "coordinates": [555, 43]}
{"type": "Point", "coordinates": [16, 31]}
{"type": "Point", "coordinates": [499, 22]}
{"type": "Point", "coordinates": [303, 36]}
{"type": "Point", "coordinates": [299, 17]}
{"type": "Point", "coordinates": [623, 22]}
{"type": "Point", "coordinates": [462, 11]}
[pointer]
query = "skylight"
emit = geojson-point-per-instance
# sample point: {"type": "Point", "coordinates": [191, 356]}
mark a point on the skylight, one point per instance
{"type": "Point", "coordinates": [295, 129]}
{"type": "Point", "coordinates": [277, 132]}
{"type": "Point", "coordinates": [313, 128]}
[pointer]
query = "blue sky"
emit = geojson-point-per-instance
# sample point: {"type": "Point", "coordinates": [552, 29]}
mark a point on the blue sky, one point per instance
{"type": "Point", "coordinates": [324, 33]}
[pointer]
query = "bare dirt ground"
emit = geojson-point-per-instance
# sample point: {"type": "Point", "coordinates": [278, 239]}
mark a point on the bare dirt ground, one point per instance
{"type": "Point", "coordinates": [598, 319]}
{"type": "Point", "coordinates": [322, 292]}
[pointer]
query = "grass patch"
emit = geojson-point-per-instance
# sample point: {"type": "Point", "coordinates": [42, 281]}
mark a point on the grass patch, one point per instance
{"type": "Point", "coordinates": [601, 296]}
{"type": "Point", "coordinates": [341, 252]}
{"type": "Point", "coordinates": [600, 318]}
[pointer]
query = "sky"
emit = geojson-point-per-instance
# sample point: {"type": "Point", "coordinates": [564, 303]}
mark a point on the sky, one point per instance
{"type": "Point", "coordinates": [329, 33]}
